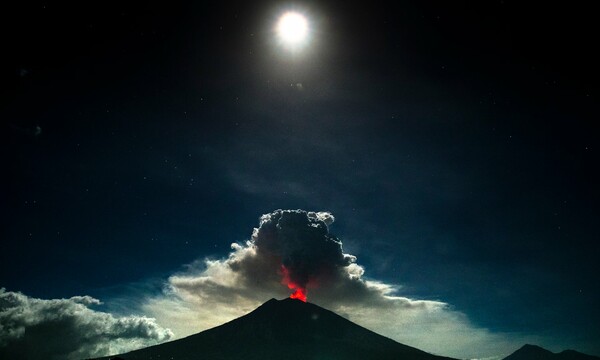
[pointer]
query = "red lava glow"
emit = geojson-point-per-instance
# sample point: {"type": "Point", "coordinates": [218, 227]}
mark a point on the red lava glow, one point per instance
{"type": "Point", "coordinates": [300, 292]}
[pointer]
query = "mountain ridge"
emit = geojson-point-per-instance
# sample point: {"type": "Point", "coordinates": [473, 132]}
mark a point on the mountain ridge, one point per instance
{"type": "Point", "coordinates": [535, 352]}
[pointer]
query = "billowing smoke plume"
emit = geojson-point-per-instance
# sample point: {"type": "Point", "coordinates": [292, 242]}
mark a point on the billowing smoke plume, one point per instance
{"type": "Point", "coordinates": [293, 249]}
{"type": "Point", "coordinates": [290, 249]}
{"type": "Point", "coordinates": [301, 241]}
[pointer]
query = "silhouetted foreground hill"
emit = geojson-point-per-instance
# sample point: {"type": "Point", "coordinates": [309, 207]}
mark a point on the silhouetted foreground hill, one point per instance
{"type": "Point", "coordinates": [533, 352]}
{"type": "Point", "coordinates": [285, 329]}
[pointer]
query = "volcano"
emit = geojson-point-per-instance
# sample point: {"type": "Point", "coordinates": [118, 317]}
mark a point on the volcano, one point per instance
{"type": "Point", "coordinates": [534, 352]}
{"type": "Point", "coordinates": [283, 329]}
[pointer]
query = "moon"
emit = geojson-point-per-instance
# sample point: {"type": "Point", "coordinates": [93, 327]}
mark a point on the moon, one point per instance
{"type": "Point", "coordinates": [292, 29]}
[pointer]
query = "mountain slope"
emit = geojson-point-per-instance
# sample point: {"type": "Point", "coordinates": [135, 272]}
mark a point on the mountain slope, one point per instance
{"type": "Point", "coordinates": [533, 352]}
{"type": "Point", "coordinates": [285, 329]}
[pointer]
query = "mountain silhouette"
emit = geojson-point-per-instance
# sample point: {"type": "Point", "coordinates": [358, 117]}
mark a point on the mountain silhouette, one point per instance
{"type": "Point", "coordinates": [534, 352]}
{"type": "Point", "coordinates": [283, 329]}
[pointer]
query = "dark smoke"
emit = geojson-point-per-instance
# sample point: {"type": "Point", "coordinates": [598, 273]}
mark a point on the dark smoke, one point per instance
{"type": "Point", "coordinates": [302, 241]}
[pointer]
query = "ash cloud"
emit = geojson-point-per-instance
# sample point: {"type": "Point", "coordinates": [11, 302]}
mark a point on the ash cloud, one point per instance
{"type": "Point", "coordinates": [301, 242]}
{"type": "Point", "coordinates": [32, 328]}
{"type": "Point", "coordinates": [211, 292]}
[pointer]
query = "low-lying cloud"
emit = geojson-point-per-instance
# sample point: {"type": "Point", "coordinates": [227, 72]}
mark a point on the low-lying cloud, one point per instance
{"type": "Point", "coordinates": [297, 245]}
{"type": "Point", "coordinates": [33, 328]}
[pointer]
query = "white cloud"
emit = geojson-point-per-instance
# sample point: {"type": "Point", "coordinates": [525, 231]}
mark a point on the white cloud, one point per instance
{"type": "Point", "coordinates": [33, 328]}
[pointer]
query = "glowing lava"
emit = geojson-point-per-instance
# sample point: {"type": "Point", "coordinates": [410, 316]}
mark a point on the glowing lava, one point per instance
{"type": "Point", "coordinates": [300, 291]}
{"type": "Point", "coordinates": [299, 294]}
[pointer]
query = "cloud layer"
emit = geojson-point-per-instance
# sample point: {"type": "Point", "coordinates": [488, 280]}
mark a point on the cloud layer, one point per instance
{"type": "Point", "coordinates": [211, 292]}
{"type": "Point", "coordinates": [33, 328]}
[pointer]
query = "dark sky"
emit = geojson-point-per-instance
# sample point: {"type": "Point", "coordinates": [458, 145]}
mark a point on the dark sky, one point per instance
{"type": "Point", "coordinates": [456, 143]}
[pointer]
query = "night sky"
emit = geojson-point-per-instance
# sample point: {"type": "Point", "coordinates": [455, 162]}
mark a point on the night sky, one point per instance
{"type": "Point", "coordinates": [456, 144]}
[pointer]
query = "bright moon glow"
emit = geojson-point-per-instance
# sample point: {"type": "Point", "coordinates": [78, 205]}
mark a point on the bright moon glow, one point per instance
{"type": "Point", "coordinates": [292, 29]}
